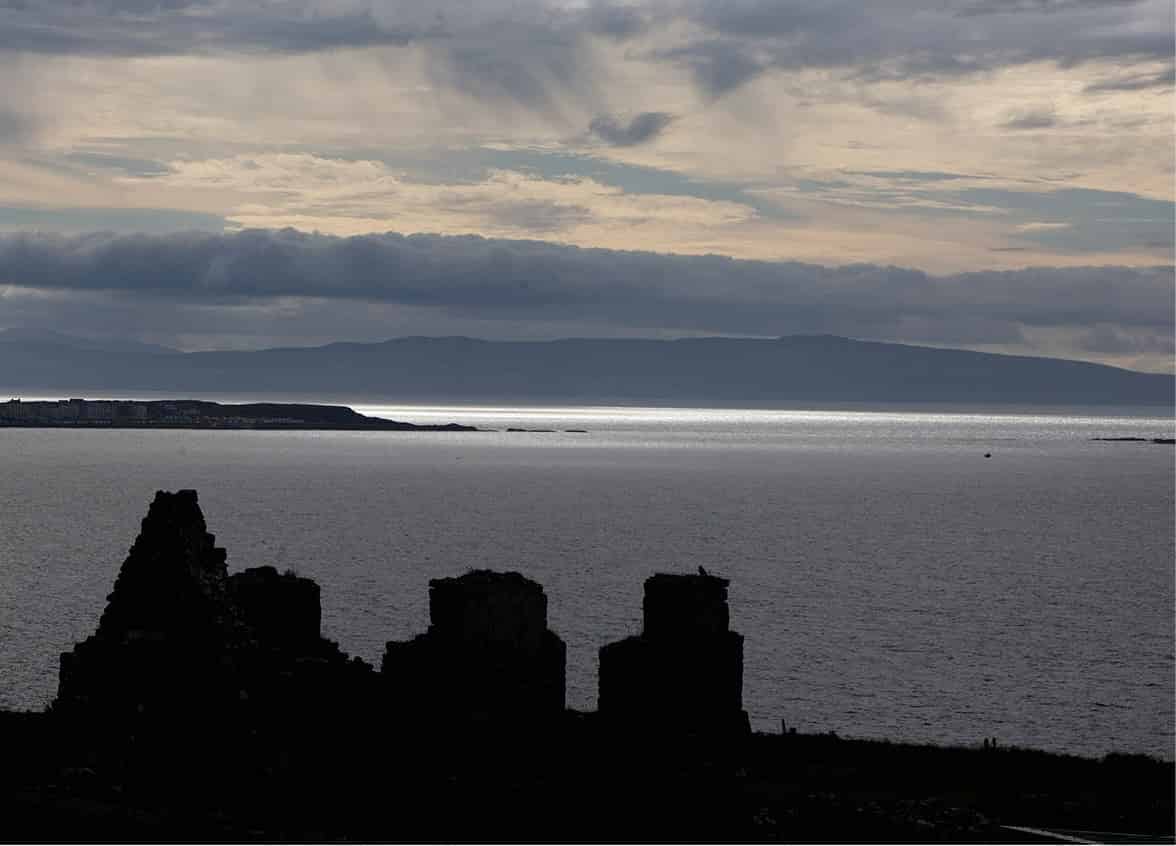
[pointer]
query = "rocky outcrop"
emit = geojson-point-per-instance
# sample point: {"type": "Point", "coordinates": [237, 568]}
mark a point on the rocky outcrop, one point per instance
{"type": "Point", "coordinates": [685, 670]}
{"type": "Point", "coordinates": [487, 655]}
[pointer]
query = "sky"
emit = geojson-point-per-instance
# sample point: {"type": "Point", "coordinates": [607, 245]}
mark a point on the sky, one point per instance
{"type": "Point", "coordinates": [990, 174]}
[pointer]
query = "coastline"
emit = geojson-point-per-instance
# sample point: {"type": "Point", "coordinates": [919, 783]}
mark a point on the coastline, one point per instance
{"type": "Point", "coordinates": [192, 414]}
{"type": "Point", "coordinates": [380, 426]}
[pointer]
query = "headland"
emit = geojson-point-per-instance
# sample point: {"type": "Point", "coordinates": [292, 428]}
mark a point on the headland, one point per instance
{"type": "Point", "coordinates": [77, 413]}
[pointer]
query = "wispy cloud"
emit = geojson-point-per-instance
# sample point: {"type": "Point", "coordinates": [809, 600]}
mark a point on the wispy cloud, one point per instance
{"type": "Point", "coordinates": [1035, 119]}
{"type": "Point", "coordinates": [1163, 80]}
{"type": "Point", "coordinates": [1043, 226]}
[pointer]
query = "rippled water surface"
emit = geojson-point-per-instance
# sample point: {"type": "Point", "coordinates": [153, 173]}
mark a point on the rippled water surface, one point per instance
{"type": "Point", "coordinates": [889, 579]}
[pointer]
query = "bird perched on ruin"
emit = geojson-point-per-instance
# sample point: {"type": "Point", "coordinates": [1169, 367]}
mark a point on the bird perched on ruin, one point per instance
{"type": "Point", "coordinates": [702, 571]}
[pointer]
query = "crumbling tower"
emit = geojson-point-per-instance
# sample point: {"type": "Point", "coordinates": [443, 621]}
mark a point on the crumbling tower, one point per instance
{"type": "Point", "coordinates": [179, 636]}
{"type": "Point", "coordinates": [487, 655]}
{"type": "Point", "coordinates": [685, 670]}
{"type": "Point", "coordinates": [161, 636]}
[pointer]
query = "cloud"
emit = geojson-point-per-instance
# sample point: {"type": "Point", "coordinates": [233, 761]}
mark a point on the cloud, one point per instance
{"type": "Point", "coordinates": [15, 127]}
{"type": "Point", "coordinates": [527, 64]}
{"type": "Point", "coordinates": [992, 7]}
{"type": "Point", "coordinates": [1043, 226]}
{"type": "Point", "coordinates": [351, 196]}
{"type": "Point", "coordinates": [538, 283]}
{"type": "Point", "coordinates": [1136, 82]}
{"type": "Point", "coordinates": [1106, 338]}
{"type": "Point", "coordinates": [1036, 119]}
{"type": "Point", "coordinates": [143, 28]}
{"type": "Point", "coordinates": [917, 176]}
{"type": "Point", "coordinates": [822, 131]}
{"type": "Point", "coordinates": [615, 21]}
{"type": "Point", "coordinates": [76, 220]}
{"type": "Point", "coordinates": [917, 39]}
{"type": "Point", "coordinates": [644, 127]}
{"type": "Point", "coordinates": [117, 164]}
{"type": "Point", "coordinates": [506, 28]}
{"type": "Point", "coordinates": [718, 65]}
{"type": "Point", "coordinates": [543, 216]}
{"type": "Point", "coordinates": [735, 39]}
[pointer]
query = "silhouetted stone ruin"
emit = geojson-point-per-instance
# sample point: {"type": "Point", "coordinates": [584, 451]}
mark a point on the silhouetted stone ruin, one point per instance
{"type": "Point", "coordinates": [487, 655]}
{"type": "Point", "coordinates": [281, 610]}
{"type": "Point", "coordinates": [181, 636]}
{"type": "Point", "coordinates": [685, 670]}
{"type": "Point", "coordinates": [164, 622]}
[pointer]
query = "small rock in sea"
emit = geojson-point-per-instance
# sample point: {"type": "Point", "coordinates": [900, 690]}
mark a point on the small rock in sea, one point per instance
{"type": "Point", "coordinates": [988, 455]}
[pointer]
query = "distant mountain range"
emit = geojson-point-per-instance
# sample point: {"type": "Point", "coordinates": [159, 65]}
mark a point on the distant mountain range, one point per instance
{"type": "Point", "coordinates": [796, 369]}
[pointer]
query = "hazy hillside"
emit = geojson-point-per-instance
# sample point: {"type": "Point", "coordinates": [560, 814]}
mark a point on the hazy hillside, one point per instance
{"type": "Point", "coordinates": [724, 370]}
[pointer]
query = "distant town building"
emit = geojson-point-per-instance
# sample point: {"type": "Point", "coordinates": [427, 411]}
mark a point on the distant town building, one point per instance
{"type": "Point", "coordinates": [14, 409]}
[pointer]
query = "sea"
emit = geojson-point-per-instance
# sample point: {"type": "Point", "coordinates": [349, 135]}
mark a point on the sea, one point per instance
{"type": "Point", "coordinates": [925, 575]}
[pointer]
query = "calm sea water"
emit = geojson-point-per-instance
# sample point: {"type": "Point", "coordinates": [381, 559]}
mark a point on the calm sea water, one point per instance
{"type": "Point", "coordinates": [890, 580]}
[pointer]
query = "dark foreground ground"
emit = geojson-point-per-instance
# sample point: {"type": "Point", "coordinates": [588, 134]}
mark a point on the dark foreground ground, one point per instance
{"type": "Point", "coordinates": [569, 782]}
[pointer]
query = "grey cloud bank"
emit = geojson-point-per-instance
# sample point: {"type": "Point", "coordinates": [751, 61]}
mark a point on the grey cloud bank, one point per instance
{"type": "Point", "coordinates": [731, 43]}
{"type": "Point", "coordinates": [151, 29]}
{"type": "Point", "coordinates": [1098, 311]}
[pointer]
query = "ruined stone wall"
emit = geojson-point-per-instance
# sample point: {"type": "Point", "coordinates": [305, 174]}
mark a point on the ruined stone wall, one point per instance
{"type": "Point", "coordinates": [685, 670]}
{"type": "Point", "coordinates": [279, 609]}
{"type": "Point", "coordinates": [685, 605]}
{"type": "Point", "coordinates": [487, 607]}
{"type": "Point", "coordinates": [179, 637]}
{"type": "Point", "coordinates": [487, 656]}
